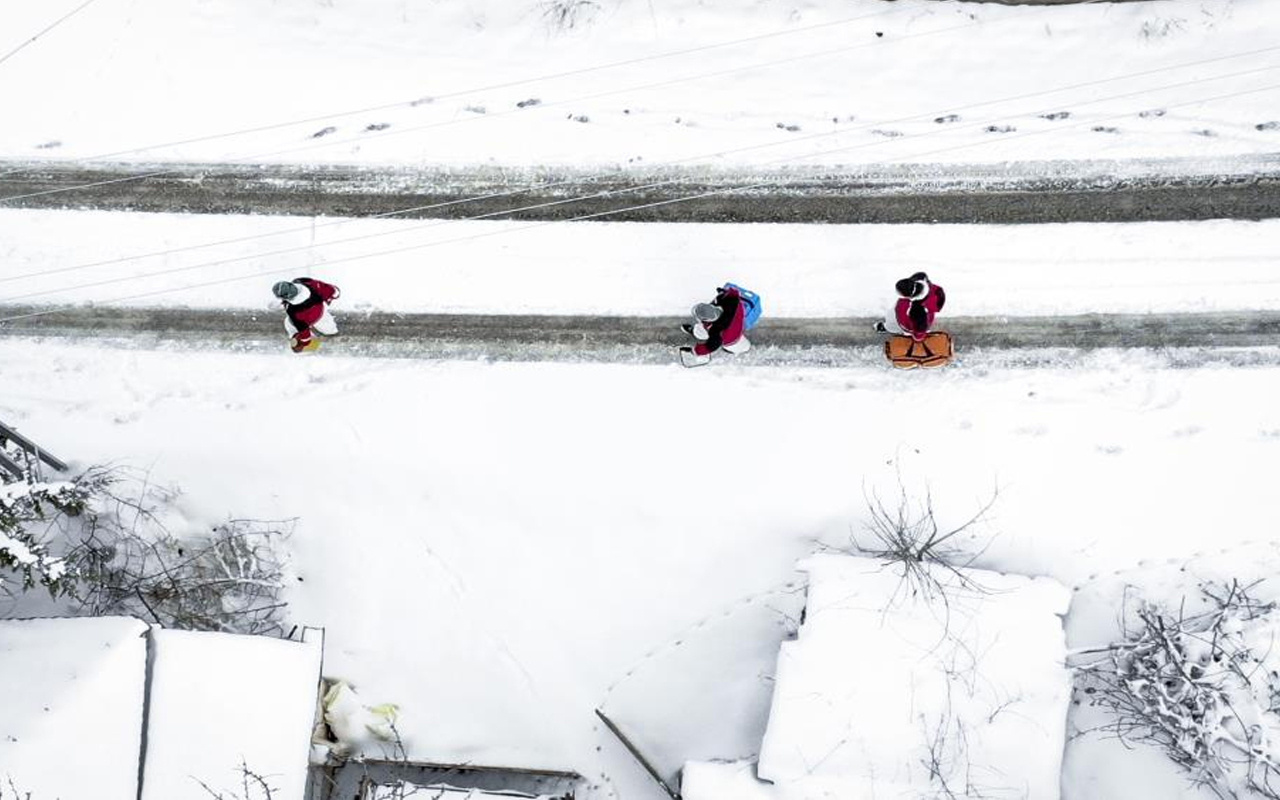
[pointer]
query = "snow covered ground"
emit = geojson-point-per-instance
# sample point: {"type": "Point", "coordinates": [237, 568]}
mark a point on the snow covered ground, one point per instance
{"type": "Point", "coordinates": [614, 82]}
{"type": "Point", "coordinates": [64, 258]}
{"type": "Point", "coordinates": [500, 548]}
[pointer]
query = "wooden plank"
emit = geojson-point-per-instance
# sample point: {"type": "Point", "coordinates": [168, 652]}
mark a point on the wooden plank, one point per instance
{"type": "Point", "coordinates": [31, 447]}
{"type": "Point", "coordinates": [637, 755]}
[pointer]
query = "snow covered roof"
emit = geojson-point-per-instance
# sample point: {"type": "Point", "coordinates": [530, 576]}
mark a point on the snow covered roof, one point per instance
{"type": "Point", "coordinates": [220, 701]}
{"type": "Point", "coordinates": [888, 695]}
{"type": "Point", "coordinates": [78, 686]}
{"type": "Point", "coordinates": [72, 687]}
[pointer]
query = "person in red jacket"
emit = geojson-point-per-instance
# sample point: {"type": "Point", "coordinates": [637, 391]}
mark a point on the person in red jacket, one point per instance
{"type": "Point", "coordinates": [306, 310]}
{"type": "Point", "coordinates": [720, 323]}
{"type": "Point", "coordinates": [919, 301]}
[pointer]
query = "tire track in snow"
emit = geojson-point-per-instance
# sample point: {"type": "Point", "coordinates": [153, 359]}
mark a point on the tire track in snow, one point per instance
{"type": "Point", "coordinates": [1245, 187]}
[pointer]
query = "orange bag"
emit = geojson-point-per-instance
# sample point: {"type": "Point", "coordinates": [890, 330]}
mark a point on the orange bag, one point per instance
{"type": "Point", "coordinates": [906, 353]}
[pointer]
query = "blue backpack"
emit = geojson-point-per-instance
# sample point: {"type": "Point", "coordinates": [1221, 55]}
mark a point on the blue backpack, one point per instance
{"type": "Point", "coordinates": [753, 309]}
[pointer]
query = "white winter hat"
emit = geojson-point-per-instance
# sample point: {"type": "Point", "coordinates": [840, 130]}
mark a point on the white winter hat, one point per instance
{"type": "Point", "coordinates": [706, 312]}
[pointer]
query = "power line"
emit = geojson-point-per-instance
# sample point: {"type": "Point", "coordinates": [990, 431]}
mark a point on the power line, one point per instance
{"type": "Point", "coordinates": [596, 195]}
{"type": "Point", "coordinates": [53, 25]}
{"type": "Point", "coordinates": [544, 106]}
{"type": "Point", "coordinates": [593, 215]}
{"type": "Point", "coordinates": [477, 89]}
{"type": "Point", "coordinates": [789, 140]}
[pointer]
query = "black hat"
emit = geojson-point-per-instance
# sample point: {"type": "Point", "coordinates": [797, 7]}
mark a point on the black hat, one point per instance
{"type": "Point", "coordinates": [912, 288]}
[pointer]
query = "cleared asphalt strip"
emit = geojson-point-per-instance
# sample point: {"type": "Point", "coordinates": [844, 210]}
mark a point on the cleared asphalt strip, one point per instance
{"type": "Point", "coordinates": [817, 341]}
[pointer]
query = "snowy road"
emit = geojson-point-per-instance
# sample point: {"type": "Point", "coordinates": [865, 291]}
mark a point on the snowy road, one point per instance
{"type": "Point", "coordinates": [1011, 192]}
{"type": "Point", "coordinates": [1232, 337]}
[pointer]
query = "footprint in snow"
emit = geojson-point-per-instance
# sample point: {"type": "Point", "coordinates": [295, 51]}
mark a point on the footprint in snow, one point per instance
{"type": "Point", "coordinates": [1152, 112]}
{"type": "Point", "coordinates": [1105, 129]}
{"type": "Point", "coordinates": [49, 145]}
{"type": "Point", "coordinates": [1110, 449]}
{"type": "Point", "coordinates": [323, 132]}
{"type": "Point", "coordinates": [532, 101]}
{"type": "Point", "coordinates": [786, 127]}
{"type": "Point", "coordinates": [947, 118]}
{"type": "Point", "coordinates": [1190, 430]}
{"type": "Point", "coordinates": [1000, 129]}
{"type": "Point", "coordinates": [890, 134]}
{"type": "Point", "coordinates": [377, 126]}
{"type": "Point", "coordinates": [1054, 116]}
{"type": "Point", "coordinates": [1273, 125]}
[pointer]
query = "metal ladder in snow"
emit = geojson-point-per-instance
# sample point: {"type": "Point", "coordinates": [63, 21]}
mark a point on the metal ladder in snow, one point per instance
{"type": "Point", "coordinates": [11, 464]}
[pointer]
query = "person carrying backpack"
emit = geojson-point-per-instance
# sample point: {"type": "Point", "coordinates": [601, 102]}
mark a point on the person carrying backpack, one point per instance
{"type": "Point", "coordinates": [722, 323]}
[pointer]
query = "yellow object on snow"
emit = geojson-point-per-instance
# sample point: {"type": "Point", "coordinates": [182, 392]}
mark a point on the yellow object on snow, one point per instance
{"type": "Point", "coordinates": [352, 722]}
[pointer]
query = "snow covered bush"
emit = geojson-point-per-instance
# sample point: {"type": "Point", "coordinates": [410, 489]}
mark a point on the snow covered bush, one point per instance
{"type": "Point", "coordinates": [103, 545]}
{"type": "Point", "coordinates": [1202, 682]}
{"type": "Point", "coordinates": [227, 578]}
{"type": "Point", "coordinates": [30, 511]}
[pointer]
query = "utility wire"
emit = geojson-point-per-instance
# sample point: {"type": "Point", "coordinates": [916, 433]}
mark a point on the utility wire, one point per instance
{"type": "Point", "coordinates": [474, 90]}
{"type": "Point", "coordinates": [576, 181]}
{"type": "Point", "coordinates": [53, 25]}
{"type": "Point", "coordinates": [593, 215]}
{"type": "Point", "coordinates": [465, 120]}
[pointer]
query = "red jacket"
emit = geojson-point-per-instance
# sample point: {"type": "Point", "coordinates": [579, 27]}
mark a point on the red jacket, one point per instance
{"type": "Point", "coordinates": [916, 317]}
{"type": "Point", "coordinates": [728, 327]}
{"type": "Point", "coordinates": [305, 314]}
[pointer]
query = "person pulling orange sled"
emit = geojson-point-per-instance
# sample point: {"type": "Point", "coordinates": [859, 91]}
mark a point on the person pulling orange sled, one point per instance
{"type": "Point", "coordinates": [913, 343]}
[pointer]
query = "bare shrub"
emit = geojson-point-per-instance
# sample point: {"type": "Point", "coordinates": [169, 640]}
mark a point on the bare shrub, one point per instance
{"type": "Point", "coordinates": [564, 15]}
{"type": "Point", "coordinates": [1203, 686]}
{"type": "Point", "coordinates": [10, 791]}
{"type": "Point", "coordinates": [904, 533]}
{"type": "Point", "coordinates": [253, 786]}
